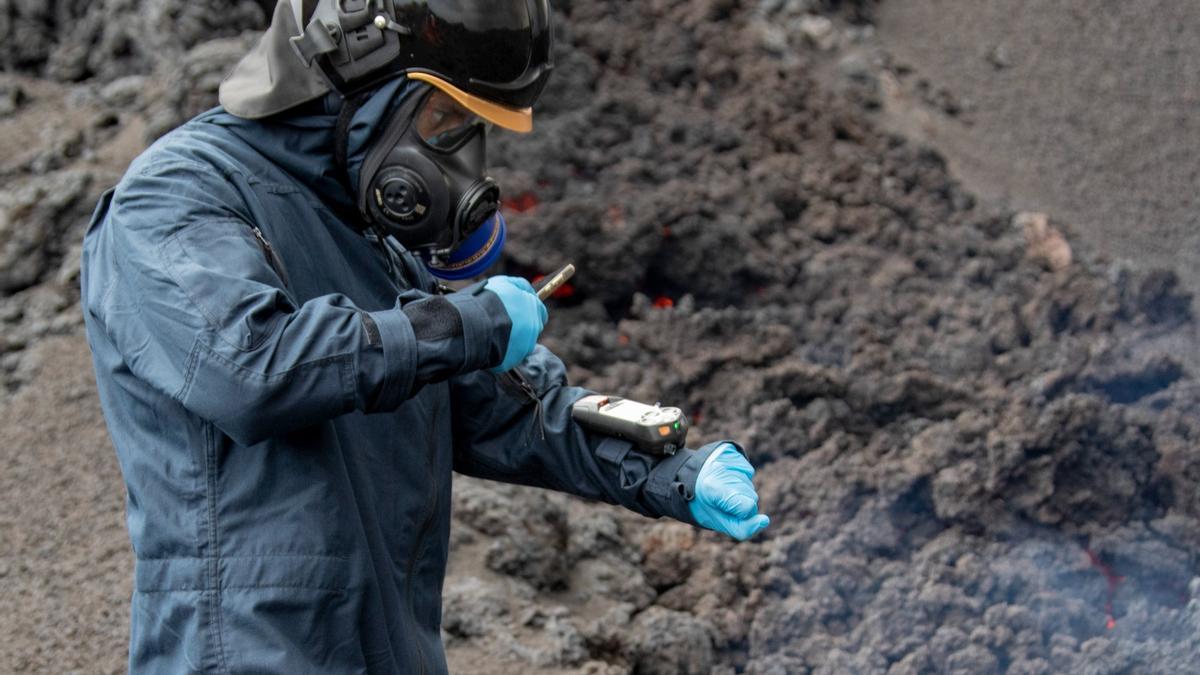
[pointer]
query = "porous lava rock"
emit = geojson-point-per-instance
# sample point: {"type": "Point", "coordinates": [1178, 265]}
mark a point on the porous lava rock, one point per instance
{"type": "Point", "coordinates": [959, 436]}
{"type": "Point", "coordinates": [73, 40]}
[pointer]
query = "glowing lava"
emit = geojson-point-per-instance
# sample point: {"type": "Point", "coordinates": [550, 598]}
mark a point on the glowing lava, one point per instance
{"type": "Point", "coordinates": [1112, 579]}
{"type": "Point", "coordinates": [663, 302]}
{"type": "Point", "coordinates": [564, 291]}
{"type": "Point", "coordinates": [523, 202]}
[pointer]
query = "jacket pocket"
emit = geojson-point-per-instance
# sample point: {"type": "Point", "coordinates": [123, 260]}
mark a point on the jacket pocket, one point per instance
{"type": "Point", "coordinates": [282, 629]}
{"type": "Point", "coordinates": [233, 278]}
{"type": "Point", "coordinates": [170, 633]}
{"type": "Point", "coordinates": [281, 613]}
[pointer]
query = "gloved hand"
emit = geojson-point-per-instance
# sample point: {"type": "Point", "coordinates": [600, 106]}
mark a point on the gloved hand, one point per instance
{"type": "Point", "coordinates": [725, 499]}
{"type": "Point", "coordinates": [528, 316]}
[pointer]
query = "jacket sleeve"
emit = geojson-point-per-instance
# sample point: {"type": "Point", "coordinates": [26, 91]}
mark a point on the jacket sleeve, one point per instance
{"type": "Point", "coordinates": [197, 307]}
{"type": "Point", "coordinates": [521, 431]}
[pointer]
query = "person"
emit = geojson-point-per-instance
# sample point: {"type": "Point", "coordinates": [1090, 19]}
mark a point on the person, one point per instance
{"type": "Point", "coordinates": [288, 384]}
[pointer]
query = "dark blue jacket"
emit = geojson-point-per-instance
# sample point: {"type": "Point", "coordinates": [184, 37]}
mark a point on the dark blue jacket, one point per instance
{"type": "Point", "coordinates": [288, 397]}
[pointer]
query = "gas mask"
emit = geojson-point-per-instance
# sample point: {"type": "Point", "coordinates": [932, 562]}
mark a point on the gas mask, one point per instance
{"type": "Point", "coordinates": [424, 183]}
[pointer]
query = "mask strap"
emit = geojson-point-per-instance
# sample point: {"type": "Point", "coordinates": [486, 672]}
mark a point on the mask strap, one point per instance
{"type": "Point", "coordinates": [341, 138]}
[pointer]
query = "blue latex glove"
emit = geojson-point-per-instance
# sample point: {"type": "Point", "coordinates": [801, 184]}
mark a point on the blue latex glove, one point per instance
{"type": "Point", "coordinates": [528, 316]}
{"type": "Point", "coordinates": [725, 499]}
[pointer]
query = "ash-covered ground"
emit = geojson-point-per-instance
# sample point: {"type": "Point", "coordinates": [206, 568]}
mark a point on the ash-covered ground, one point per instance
{"type": "Point", "coordinates": [975, 457]}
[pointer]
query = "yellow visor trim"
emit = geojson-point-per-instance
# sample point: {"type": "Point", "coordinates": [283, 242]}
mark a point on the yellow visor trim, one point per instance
{"type": "Point", "coordinates": [519, 120]}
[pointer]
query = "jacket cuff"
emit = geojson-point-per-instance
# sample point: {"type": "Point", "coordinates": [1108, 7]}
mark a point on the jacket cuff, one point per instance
{"type": "Point", "coordinates": [486, 327]}
{"type": "Point", "coordinates": [672, 482]}
{"type": "Point", "coordinates": [395, 333]}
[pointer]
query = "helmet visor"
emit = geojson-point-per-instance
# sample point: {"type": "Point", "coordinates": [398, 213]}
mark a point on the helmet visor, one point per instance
{"type": "Point", "coordinates": [499, 50]}
{"type": "Point", "coordinates": [443, 124]}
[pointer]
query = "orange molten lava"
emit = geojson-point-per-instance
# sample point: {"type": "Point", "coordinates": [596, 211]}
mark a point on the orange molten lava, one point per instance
{"type": "Point", "coordinates": [564, 291]}
{"type": "Point", "coordinates": [522, 202]}
{"type": "Point", "coordinates": [663, 302]}
{"type": "Point", "coordinates": [1112, 579]}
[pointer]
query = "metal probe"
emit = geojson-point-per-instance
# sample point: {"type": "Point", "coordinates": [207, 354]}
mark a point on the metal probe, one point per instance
{"type": "Point", "coordinates": [547, 286]}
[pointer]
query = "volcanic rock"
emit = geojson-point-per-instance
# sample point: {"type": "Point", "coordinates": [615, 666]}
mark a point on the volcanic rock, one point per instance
{"type": "Point", "coordinates": [32, 217]}
{"type": "Point", "coordinates": [1046, 244]}
{"type": "Point", "coordinates": [670, 643]}
{"type": "Point", "coordinates": [12, 97]}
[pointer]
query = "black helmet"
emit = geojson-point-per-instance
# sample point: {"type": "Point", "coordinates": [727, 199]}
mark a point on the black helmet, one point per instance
{"type": "Point", "coordinates": [492, 56]}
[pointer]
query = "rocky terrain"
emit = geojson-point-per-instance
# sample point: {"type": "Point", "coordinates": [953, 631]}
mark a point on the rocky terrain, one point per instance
{"type": "Point", "coordinates": [976, 451]}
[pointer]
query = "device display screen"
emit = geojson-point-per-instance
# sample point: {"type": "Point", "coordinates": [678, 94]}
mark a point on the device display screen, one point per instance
{"type": "Point", "coordinates": [630, 411]}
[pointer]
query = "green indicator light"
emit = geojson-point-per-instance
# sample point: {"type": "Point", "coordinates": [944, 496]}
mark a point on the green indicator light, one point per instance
{"type": "Point", "coordinates": [677, 425]}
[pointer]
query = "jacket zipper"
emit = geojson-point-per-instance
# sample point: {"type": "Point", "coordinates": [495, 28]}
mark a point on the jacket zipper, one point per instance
{"type": "Point", "coordinates": [379, 242]}
{"type": "Point", "coordinates": [514, 378]}
{"type": "Point", "coordinates": [428, 514]}
{"type": "Point", "coordinates": [273, 258]}
{"type": "Point", "coordinates": [379, 239]}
